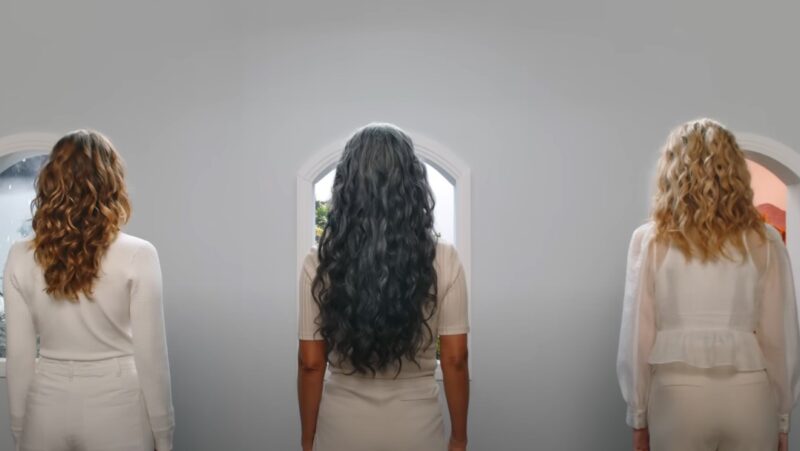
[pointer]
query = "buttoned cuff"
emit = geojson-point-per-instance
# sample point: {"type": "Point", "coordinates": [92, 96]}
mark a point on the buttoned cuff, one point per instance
{"type": "Point", "coordinates": [636, 418]}
{"type": "Point", "coordinates": [163, 440]}
{"type": "Point", "coordinates": [783, 423]}
{"type": "Point", "coordinates": [16, 430]}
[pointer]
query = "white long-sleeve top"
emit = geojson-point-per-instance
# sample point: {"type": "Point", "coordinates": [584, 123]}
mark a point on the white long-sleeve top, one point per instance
{"type": "Point", "coordinates": [124, 318]}
{"type": "Point", "coordinates": [728, 312]}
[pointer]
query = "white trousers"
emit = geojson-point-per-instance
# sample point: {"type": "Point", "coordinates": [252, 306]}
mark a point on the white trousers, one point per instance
{"type": "Point", "coordinates": [715, 409]}
{"type": "Point", "coordinates": [86, 406]}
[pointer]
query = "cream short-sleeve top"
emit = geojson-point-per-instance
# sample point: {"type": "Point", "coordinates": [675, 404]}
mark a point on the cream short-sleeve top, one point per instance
{"type": "Point", "coordinates": [450, 318]}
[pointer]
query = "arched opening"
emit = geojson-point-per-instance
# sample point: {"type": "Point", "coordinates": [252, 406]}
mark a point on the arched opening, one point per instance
{"type": "Point", "coordinates": [21, 158]}
{"type": "Point", "coordinates": [776, 180]}
{"type": "Point", "coordinates": [769, 196]}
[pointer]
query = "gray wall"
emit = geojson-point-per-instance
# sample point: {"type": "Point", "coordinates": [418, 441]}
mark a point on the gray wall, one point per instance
{"type": "Point", "coordinates": [558, 108]}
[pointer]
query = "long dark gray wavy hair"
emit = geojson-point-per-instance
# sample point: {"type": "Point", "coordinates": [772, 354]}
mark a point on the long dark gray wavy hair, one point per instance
{"type": "Point", "coordinates": [376, 284]}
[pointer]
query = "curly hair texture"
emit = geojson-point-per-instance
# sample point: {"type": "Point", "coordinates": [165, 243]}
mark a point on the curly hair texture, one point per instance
{"type": "Point", "coordinates": [81, 203]}
{"type": "Point", "coordinates": [704, 202]}
{"type": "Point", "coordinates": [376, 282]}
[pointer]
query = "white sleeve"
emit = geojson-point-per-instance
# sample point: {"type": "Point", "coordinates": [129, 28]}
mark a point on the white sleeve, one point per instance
{"type": "Point", "coordinates": [777, 330]}
{"type": "Point", "coordinates": [308, 310]}
{"type": "Point", "coordinates": [454, 302]}
{"type": "Point", "coordinates": [150, 344]}
{"type": "Point", "coordinates": [638, 330]}
{"type": "Point", "coordinates": [20, 347]}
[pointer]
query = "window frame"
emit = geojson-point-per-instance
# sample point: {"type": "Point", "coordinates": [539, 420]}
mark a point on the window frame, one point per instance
{"type": "Point", "coordinates": [430, 151]}
{"type": "Point", "coordinates": [24, 145]}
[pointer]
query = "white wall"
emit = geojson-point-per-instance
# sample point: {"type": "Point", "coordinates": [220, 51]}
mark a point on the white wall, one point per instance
{"type": "Point", "coordinates": [559, 108]}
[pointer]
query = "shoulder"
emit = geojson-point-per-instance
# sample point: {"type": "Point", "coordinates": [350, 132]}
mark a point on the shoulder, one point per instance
{"type": "Point", "coordinates": [645, 230]}
{"type": "Point", "coordinates": [772, 234]}
{"type": "Point", "coordinates": [21, 251]}
{"type": "Point", "coordinates": [447, 263]}
{"type": "Point", "coordinates": [643, 235]}
{"type": "Point", "coordinates": [311, 261]}
{"type": "Point", "coordinates": [132, 246]}
{"type": "Point", "coordinates": [446, 254]}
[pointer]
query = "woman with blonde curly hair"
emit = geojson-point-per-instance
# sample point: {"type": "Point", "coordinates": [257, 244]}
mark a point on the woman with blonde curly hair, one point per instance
{"type": "Point", "coordinates": [708, 351]}
{"type": "Point", "coordinates": [91, 296]}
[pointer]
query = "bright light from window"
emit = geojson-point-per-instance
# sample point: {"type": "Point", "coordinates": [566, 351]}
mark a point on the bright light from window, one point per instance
{"type": "Point", "coordinates": [17, 176]}
{"type": "Point", "coordinates": [443, 192]}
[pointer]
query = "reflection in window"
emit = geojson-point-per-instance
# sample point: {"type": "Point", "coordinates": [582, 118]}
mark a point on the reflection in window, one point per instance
{"type": "Point", "coordinates": [17, 177]}
{"type": "Point", "coordinates": [443, 193]}
{"type": "Point", "coordinates": [769, 196]}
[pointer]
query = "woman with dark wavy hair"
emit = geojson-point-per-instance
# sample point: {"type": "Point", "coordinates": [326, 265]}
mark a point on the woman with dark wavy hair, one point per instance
{"type": "Point", "coordinates": [91, 296]}
{"type": "Point", "coordinates": [374, 299]}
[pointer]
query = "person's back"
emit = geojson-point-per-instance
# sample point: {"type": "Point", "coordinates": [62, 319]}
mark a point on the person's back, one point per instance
{"type": "Point", "coordinates": [376, 299]}
{"type": "Point", "coordinates": [450, 317]}
{"type": "Point", "coordinates": [90, 329]}
{"type": "Point", "coordinates": [706, 313]}
{"type": "Point", "coordinates": [709, 336]}
{"type": "Point", "coordinates": [89, 298]}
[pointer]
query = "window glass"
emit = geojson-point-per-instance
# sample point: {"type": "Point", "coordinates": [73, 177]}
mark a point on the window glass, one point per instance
{"type": "Point", "coordinates": [17, 176]}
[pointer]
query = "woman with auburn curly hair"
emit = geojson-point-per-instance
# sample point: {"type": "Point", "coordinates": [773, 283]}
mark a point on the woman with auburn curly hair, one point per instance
{"type": "Point", "coordinates": [91, 296]}
{"type": "Point", "coordinates": [374, 298]}
{"type": "Point", "coordinates": [708, 351]}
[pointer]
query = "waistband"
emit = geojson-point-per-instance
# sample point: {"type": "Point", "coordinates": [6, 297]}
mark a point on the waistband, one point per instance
{"type": "Point", "coordinates": [679, 372]}
{"type": "Point", "coordinates": [362, 381]}
{"type": "Point", "coordinates": [117, 366]}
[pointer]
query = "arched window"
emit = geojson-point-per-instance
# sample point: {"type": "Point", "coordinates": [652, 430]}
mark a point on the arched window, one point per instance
{"type": "Point", "coordinates": [21, 157]}
{"type": "Point", "coordinates": [448, 175]}
{"type": "Point", "coordinates": [443, 192]}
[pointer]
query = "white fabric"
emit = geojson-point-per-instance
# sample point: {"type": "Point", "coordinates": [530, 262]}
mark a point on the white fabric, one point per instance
{"type": "Point", "coordinates": [125, 318]}
{"type": "Point", "coordinates": [733, 313]}
{"type": "Point", "coordinates": [711, 409]}
{"type": "Point", "coordinates": [86, 406]}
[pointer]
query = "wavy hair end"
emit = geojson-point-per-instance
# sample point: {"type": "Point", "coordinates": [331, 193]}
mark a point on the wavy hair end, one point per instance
{"type": "Point", "coordinates": [81, 203]}
{"type": "Point", "coordinates": [704, 202]}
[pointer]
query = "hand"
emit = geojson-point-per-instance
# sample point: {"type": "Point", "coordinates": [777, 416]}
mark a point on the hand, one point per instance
{"type": "Point", "coordinates": [641, 439]}
{"type": "Point", "coordinates": [783, 441]}
{"type": "Point", "coordinates": [457, 445]}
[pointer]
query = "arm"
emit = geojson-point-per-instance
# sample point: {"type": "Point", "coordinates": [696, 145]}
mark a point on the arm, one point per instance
{"type": "Point", "coordinates": [455, 370]}
{"type": "Point", "coordinates": [150, 344]}
{"type": "Point", "coordinates": [777, 330]}
{"type": "Point", "coordinates": [21, 349]}
{"type": "Point", "coordinates": [453, 329]}
{"type": "Point", "coordinates": [312, 358]}
{"type": "Point", "coordinates": [311, 364]}
{"type": "Point", "coordinates": [638, 330]}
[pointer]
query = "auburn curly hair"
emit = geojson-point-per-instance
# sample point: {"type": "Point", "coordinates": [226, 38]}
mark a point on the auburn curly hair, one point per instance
{"type": "Point", "coordinates": [80, 204]}
{"type": "Point", "coordinates": [704, 202]}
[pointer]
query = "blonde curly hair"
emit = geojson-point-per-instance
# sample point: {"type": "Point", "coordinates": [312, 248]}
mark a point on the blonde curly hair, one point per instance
{"type": "Point", "coordinates": [703, 202]}
{"type": "Point", "coordinates": [81, 203]}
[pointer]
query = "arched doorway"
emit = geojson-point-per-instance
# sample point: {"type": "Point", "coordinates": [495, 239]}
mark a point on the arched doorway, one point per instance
{"type": "Point", "coordinates": [784, 163]}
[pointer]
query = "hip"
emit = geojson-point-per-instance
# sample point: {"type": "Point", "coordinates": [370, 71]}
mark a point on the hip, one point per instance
{"type": "Point", "coordinates": [92, 381]}
{"type": "Point", "coordinates": [678, 373]}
